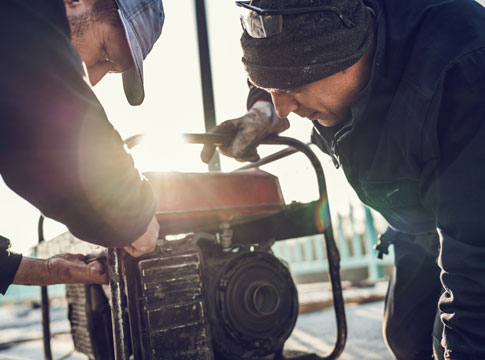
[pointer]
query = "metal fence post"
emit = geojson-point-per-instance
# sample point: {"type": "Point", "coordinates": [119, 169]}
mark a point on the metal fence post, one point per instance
{"type": "Point", "coordinates": [357, 248]}
{"type": "Point", "coordinates": [374, 268]}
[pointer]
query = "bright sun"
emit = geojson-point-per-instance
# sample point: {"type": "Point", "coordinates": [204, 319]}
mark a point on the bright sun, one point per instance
{"type": "Point", "coordinates": [167, 152]}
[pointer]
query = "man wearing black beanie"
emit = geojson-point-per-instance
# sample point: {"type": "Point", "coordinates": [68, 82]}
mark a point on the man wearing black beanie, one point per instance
{"type": "Point", "coordinates": [395, 90]}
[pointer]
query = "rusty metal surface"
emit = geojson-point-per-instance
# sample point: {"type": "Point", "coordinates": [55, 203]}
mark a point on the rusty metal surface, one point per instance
{"type": "Point", "coordinates": [121, 337]}
{"type": "Point", "coordinates": [170, 317]}
{"type": "Point", "coordinates": [89, 317]}
{"type": "Point", "coordinates": [76, 298]}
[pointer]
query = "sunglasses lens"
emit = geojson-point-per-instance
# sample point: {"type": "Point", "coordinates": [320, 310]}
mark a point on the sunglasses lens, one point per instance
{"type": "Point", "coordinates": [253, 24]}
{"type": "Point", "coordinates": [273, 24]}
{"type": "Point", "coordinates": [261, 26]}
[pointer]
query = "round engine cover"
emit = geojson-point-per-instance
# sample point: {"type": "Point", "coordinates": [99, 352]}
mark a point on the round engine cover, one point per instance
{"type": "Point", "coordinates": [257, 306]}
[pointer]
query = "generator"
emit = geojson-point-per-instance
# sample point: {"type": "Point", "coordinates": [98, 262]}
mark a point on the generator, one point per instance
{"type": "Point", "coordinates": [212, 289]}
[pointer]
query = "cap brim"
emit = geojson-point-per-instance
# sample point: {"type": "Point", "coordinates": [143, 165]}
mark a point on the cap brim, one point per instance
{"type": "Point", "coordinates": [133, 78]}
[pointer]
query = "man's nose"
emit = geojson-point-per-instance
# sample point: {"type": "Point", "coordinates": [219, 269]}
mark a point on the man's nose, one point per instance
{"type": "Point", "coordinates": [97, 71]}
{"type": "Point", "coordinates": [284, 104]}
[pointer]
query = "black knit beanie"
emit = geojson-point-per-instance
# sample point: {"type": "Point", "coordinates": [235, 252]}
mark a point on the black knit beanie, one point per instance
{"type": "Point", "coordinates": [311, 46]}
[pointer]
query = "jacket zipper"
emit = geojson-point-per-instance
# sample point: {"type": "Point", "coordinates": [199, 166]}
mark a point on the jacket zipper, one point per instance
{"type": "Point", "coordinates": [339, 136]}
{"type": "Point", "coordinates": [327, 147]}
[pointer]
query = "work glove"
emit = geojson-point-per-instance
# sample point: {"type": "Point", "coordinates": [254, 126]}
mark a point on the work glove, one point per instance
{"type": "Point", "coordinates": [247, 132]}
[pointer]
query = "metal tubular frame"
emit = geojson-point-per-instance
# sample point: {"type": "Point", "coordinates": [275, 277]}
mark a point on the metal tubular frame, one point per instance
{"type": "Point", "coordinates": [119, 317]}
{"type": "Point", "coordinates": [333, 256]}
{"type": "Point", "coordinates": [206, 76]}
{"type": "Point", "coordinates": [44, 302]}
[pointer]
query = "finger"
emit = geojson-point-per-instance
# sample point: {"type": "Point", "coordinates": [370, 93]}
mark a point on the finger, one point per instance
{"type": "Point", "coordinates": [78, 257]}
{"type": "Point", "coordinates": [145, 245]}
{"type": "Point", "coordinates": [86, 274]}
{"type": "Point", "coordinates": [133, 251]}
{"type": "Point", "coordinates": [207, 152]}
{"type": "Point", "coordinates": [97, 278]}
{"type": "Point", "coordinates": [98, 272]}
{"type": "Point", "coordinates": [71, 257]}
{"type": "Point", "coordinates": [281, 125]}
{"type": "Point", "coordinates": [251, 155]}
{"type": "Point", "coordinates": [100, 257]}
{"type": "Point", "coordinates": [228, 128]}
{"type": "Point", "coordinates": [97, 267]}
{"type": "Point", "coordinates": [103, 279]}
{"type": "Point", "coordinates": [252, 132]}
{"type": "Point", "coordinates": [245, 143]}
{"type": "Point", "coordinates": [142, 250]}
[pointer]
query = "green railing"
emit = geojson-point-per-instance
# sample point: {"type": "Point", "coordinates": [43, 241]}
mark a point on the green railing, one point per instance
{"type": "Point", "coordinates": [20, 293]}
{"type": "Point", "coordinates": [304, 256]}
{"type": "Point", "coordinates": [307, 255]}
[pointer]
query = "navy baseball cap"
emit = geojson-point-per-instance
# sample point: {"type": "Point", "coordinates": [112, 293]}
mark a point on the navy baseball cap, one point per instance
{"type": "Point", "coordinates": [143, 22]}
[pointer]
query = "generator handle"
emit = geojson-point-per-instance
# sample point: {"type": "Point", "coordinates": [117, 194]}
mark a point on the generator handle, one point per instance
{"type": "Point", "coordinates": [333, 255]}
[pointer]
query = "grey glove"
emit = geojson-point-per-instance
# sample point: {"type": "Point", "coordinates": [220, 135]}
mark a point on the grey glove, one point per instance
{"type": "Point", "coordinates": [247, 132]}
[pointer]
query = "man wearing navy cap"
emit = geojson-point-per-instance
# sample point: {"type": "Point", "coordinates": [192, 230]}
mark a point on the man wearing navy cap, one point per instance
{"type": "Point", "coordinates": [58, 149]}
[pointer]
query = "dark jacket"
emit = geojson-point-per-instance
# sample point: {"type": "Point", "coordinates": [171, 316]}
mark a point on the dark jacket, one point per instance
{"type": "Point", "coordinates": [9, 263]}
{"type": "Point", "coordinates": [415, 147]}
{"type": "Point", "coordinates": [57, 148]}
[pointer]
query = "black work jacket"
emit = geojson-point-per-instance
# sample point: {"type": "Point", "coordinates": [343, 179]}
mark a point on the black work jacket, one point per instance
{"type": "Point", "coordinates": [57, 147]}
{"type": "Point", "coordinates": [415, 147]}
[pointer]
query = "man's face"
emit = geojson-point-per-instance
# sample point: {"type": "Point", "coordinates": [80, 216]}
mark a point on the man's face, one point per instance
{"type": "Point", "coordinates": [327, 100]}
{"type": "Point", "coordinates": [102, 45]}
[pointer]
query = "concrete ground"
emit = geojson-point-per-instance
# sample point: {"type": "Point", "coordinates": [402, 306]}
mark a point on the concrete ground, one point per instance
{"type": "Point", "coordinates": [314, 332]}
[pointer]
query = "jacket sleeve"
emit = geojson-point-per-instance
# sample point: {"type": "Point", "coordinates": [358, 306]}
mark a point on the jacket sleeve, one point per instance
{"type": "Point", "coordinates": [9, 263]}
{"type": "Point", "coordinates": [58, 149]}
{"type": "Point", "coordinates": [458, 199]}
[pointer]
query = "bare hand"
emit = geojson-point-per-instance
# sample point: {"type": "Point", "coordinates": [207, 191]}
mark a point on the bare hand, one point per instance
{"type": "Point", "coordinates": [73, 269]}
{"type": "Point", "coordinates": [147, 242]}
{"type": "Point", "coordinates": [247, 132]}
{"type": "Point", "coordinates": [61, 269]}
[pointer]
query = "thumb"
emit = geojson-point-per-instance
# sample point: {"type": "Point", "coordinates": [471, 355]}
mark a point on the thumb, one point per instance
{"type": "Point", "coordinates": [99, 272]}
{"type": "Point", "coordinates": [207, 152]}
{"type": "Point", "coordinates": [229, 128]}
{"type": "Point", "coordinates": [133, 251]}
{"type": "Point", "coordinates": [86, 273]}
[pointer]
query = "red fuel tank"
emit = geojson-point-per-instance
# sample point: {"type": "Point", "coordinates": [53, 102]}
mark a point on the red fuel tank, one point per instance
{"type": "Point", "coordinates": [186, 197]}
